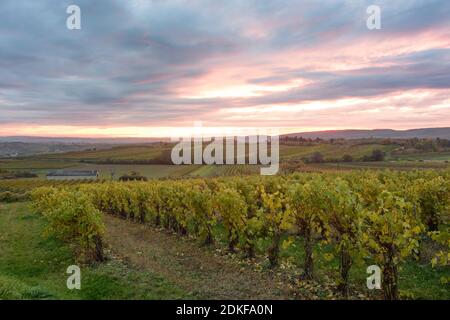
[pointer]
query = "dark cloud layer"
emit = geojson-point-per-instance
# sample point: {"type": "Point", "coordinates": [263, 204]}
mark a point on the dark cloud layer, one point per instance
{"type": "Point", "coordinates": [130, 60]}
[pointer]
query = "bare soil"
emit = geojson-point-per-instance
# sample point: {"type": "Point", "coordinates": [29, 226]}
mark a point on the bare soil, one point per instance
{"type": "Point", "coordinates": [201, 271]}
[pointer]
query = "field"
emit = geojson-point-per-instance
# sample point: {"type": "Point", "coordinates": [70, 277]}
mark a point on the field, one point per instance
{"type": "Point", "coordinates": [395, 165]}
{"type": "Point", "coordinates": [225, 232]}
{"type": "Point", "coordinates": [155, 265]}
{"type": "Point", "coordinates": [120, 160]}
{"type": "Point", "coordinates": [332, 150]}
{"type": "Point", "coordinates": [290, 235]}
{"type": "Point", "coordinates": [34, 267]}
{"type": "Point", "coordinates": [138, 152]}
{"type": "Point", "coordinates": [432, 156]}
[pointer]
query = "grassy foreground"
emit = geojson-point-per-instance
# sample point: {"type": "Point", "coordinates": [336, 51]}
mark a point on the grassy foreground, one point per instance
{"type": "Point", "coordinates": [34, 267]}
{"type": "Point", "coordinates": [147, 264]}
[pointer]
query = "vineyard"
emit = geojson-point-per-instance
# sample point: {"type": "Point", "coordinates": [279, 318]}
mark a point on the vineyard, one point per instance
{"type": "Point", "coordinates": [363, 218]}
{"type": "Point", "coordinates": [19, 190]}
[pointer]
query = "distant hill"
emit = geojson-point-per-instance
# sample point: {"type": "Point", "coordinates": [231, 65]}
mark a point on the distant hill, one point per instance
{"type": "Point", "coordinates": [74, 140]}
{"type": "Point", "coordinates": [20, 146]}
{"type": "Point", "coordinates": [443, 133]}
{"type": "Point", "coordinates": [19, 149]}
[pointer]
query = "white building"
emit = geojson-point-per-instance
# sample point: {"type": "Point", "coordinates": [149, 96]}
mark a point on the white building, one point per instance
{"type": "Point", "coordinates": [73, 175]}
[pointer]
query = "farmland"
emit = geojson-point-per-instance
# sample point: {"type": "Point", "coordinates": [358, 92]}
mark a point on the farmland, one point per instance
{"type": "Point", "coordinates": [332, 150]}
{"type": "Point", "coordinates": [222, 231]}
{"type": "Point", "coordinates": [33, 267]}
{"type": "Point", "coordinates": [138, 152]}
{"type": "Point", "coordinates": [153, 160]}
{"type": "Point", "coordinates": [306, 224]}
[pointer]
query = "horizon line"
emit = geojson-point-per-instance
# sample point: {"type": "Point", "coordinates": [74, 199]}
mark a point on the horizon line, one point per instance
{"type": "Point", "coordinates": [169, 137]}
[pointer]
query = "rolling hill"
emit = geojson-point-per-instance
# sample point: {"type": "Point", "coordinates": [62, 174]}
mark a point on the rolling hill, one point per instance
{"type": "Point", "coordinates": [443, 133]}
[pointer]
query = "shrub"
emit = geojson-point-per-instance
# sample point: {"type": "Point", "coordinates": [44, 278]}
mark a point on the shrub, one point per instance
{"type": "Point", "coordinates": [8, 196]}
{"type": "Point", "coordinates": [344, 222]}
{"type": "Point", "coordinates": [232, 209]}
{"type": "Point", "coordinates": [434, 200]}
{"type": "Point", "coordinates": [347, 158]}
{"type": "Point", "coordinates": [317, 157]}
{"type": "Point", "coordinates": [391, 233]}
{"type": "Point", "coordinates": [307, 202]}
{"type": "Point", "coordinates": [276, 220]}
{"type": "Point", "coordinates": [133, 176]}
{"type": "Point", "coordinates": [72, 217]}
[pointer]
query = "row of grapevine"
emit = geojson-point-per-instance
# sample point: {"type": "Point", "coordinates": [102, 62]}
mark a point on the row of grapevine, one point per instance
{"type": "Point", "coordinates": [26, 185]}
{"type": "Point", "coordinates": [72, 217]}
{"type": "Point", "coordinates": [380, 216]}
{"type": "Point", "coordinates": [13, 190]}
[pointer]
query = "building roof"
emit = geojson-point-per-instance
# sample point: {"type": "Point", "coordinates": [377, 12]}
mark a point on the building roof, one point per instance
{"type": "Point", "coordinates": [72, 173]}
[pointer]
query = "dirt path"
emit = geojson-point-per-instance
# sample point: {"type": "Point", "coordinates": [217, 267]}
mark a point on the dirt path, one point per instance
{"type": "Point", "coordinates": [188, 265]}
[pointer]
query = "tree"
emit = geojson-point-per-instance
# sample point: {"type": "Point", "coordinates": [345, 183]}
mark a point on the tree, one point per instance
{"type": "Point", "coordinates": [133, 176]}
{"type": "Point", "coordinates": [317, 157]}
{"type": "Point", "coordinates": [347, 158]}
{"type": "Point", "coordinates": [377, 155]}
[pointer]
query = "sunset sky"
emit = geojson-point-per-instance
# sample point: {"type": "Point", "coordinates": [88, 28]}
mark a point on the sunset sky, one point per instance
{"type": "Point", "coordinates": [153, 68]}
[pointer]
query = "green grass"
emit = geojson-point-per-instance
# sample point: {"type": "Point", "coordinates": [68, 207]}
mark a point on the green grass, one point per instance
{"type": "Point", "coordinates": [430, 156]}
{"type": "Point", "coordinates": [31, 164]}
{"type": "Point", "coordinates": [33, 266]}
{"type": "Point", "coordinates": [397, 165]}
{"type": "Point", "coordinates": [151, 171]}
{"type": "Point", "coordinates": [148, 152]}
{"type": "Point", "coordinates": [205, 171]}
{"type": "Point", "coordinates": [416, 280]}
{"type": "Point", "coordinates": [115, 153]}
{"type": "Point", "coordinates": [42, 164]}
{"type": "Point", "coordinates": [335, 151]}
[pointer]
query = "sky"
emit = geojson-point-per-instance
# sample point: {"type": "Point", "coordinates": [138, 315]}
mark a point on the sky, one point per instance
{"type": "Point", "coordinates": [155, 68]}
